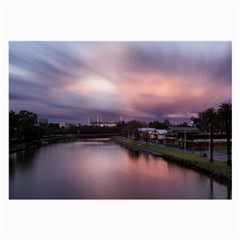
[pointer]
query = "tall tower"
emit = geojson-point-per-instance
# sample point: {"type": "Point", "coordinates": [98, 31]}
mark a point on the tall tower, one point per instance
{"type": "Point", "coordinates": [89, 121]}
{"type": "Point", "coordinates": [98, 120]}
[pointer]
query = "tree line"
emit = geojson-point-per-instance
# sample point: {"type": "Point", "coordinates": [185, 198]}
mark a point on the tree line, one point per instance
{"type": "Point", "coordinates": [219, 121]}
{"type": "Point", "coordinates": [24, 126]}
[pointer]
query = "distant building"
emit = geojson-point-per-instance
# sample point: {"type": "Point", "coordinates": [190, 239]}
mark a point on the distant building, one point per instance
{"type": "Point", "coordinates": [62, 124]}
{"type": "Point", "coordinates": [149, 130]}
{"type": "Point", "coordinates": [107, 124]}
{"type": "Point", "coordinates": [89, 121]}
{"type": "Point", "coordinates": [103, 124]}
{"type": "Point", "coordinates": [158, 134]}
{"type": "Point", "coordinates": [183, 134]}
{"type": "Point", "coordinates": [184, 130]}
{"type": "Point", "coordinates": [43, 120]}
{"type": "Point", "coordinates": [152, 133]}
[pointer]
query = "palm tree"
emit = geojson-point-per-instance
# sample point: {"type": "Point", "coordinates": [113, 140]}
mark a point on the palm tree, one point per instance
{"type": "Point", "coordinates": [225, 116]}
{"type": "Point", "coordinates": [210, 117]}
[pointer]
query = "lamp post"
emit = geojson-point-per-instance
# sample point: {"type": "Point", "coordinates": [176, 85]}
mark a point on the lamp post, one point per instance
{"type": "Point", "coordinates": [185, 139]}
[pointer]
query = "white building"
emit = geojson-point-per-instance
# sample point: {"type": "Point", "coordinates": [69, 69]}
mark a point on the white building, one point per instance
{"type": "Point", "coordinates": [62, 124]}
{"type": "Point", "coordinates": [107, 124]}
{"type": "Point", "coordinates": [158, 134]}
{"type": "Point", "coordinates": [101, 123]}
{"type": "Point", "coordinates": [152, 133]}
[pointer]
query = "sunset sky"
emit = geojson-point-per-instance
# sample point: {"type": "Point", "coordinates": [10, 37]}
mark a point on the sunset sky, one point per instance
{"type": "Point", "coordinates": [71, 81]}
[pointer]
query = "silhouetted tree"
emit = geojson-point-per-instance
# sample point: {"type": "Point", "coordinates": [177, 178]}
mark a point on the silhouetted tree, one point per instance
{"type": "Point", "coordinates": [12, 124]}
{"type": "Point", "coordinates": [210, 117]}
{"type": "Point", "coordinates": [220, 121]}
{"type": "Point", "coordinates": [225, 118]}
{"type": "Point", "coordinates": [23, 125]}
{"type": "Point", "coordinates": [132, 126]}
{"type": "Point", "coordinates": [158, 125]}
{"type": "Point", "coordinates": [184, 124]}
{"type": "Point", "coordinates": [196, 121]}
{"type": "Point", "coordinates": [167, 123]}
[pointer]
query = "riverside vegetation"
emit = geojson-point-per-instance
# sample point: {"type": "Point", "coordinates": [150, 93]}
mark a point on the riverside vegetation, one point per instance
{"type": "Point", "coordinates": [219, 170]}
{"type": "Point", "coordinates": [25, 132]}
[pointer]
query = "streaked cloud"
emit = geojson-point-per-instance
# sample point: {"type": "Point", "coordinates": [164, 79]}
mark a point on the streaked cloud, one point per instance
{"type": "Point", "coordinates": [146, 80]}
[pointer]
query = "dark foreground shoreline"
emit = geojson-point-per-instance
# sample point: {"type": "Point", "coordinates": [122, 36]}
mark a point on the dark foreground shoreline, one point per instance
{"type": "Point", "coordinates": [18, 146]}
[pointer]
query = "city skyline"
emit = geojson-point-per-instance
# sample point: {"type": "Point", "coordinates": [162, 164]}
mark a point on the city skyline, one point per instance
{"type": "Point", "coordinates": [74, 81]}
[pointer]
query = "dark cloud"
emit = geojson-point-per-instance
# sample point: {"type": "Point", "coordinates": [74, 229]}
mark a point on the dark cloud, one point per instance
{"type": "Point", "coordinates": [187, 58]}
{"type": "Point", "coordinates": [77, 80]}
{"type": "Point", "coordinates": [53, 64]}
{"type": "Point", "coordinates": [16, 96]}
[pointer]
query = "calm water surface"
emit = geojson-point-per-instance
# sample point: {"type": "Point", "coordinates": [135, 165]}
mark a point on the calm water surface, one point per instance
{"type": "Point", "coordinates": [101, 169]}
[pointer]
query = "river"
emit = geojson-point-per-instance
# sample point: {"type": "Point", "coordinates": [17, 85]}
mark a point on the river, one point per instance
{"type": "Point", "coordinates": [101, 169]}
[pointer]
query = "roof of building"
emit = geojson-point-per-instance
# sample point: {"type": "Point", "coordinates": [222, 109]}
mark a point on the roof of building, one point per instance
{"type": "Point", "coordinates": [153, 130]}
{"type": "Point", "coordinates": [184, 129]}
{"type": "Point", "coordinates": [160, 131]}
{"type": "Point", "coordinates": [146, 129]}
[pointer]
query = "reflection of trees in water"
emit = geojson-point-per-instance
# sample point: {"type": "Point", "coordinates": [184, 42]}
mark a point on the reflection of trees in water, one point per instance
{"type": "Point", "coordinates": [202, 178]}
{"type": "Point", "coordinates": [211, 189]}
{"type": "Point", "coordinates": [212, 186]}
{"type": "Point", "coordinates": [23, 161]}
{"type": "Point", "coordinates": [136, 155]}
{"type": "Point", "coordinates": [148, 157]}
{"type": "Point", "coordinates": [229, 192]}
{"type": "Point", "coordinates": [12, 163]}
{"type": "Point", "coordinates": [133, 154]}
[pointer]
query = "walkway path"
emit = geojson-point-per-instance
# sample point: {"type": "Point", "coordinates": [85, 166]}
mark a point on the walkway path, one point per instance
{"type": "Point", "coordinates": [216, 155]}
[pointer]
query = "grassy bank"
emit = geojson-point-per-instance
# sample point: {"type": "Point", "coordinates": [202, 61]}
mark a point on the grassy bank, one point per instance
{"type": "Point", "coordinates": [218, 170]}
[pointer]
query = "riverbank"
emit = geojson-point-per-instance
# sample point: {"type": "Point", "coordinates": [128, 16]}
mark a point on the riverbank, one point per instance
{"type": "Point", "coordinates": [24, 145]}
{"type": "Point", "coordinates": [216, 169]}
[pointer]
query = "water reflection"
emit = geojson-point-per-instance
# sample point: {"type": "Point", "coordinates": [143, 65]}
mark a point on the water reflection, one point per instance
{"type": "Point", "coordinates": [133, 154]}
{"type": "Point", "coordinates": [22, 161]}
{"type": "Point", "coordinates": [229, 192]}
{"type": "Point", "coordinates": [96, 169]}
{"type": "Point", "coordinates": [211, 188]}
